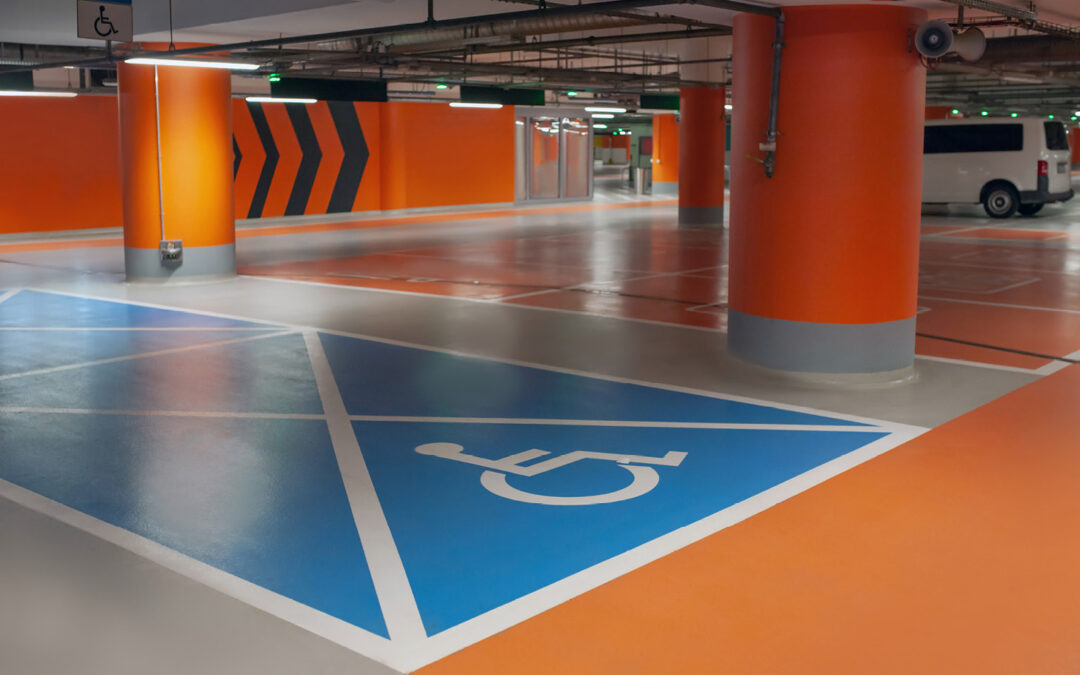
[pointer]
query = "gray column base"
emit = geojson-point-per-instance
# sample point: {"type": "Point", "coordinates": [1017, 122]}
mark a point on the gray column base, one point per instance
{"type": "Point", "coordinates": [144, 264]}
{"type": "Point", "coordinates": [701, 216]}
{"type": "Point", "coordinates": [802, 346]}
{"type": "Point", "coordinates": [665, 188]}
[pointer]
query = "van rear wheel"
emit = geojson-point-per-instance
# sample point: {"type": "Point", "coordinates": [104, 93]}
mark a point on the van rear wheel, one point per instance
{"type": "Point", "coordinates": [1030, 209]}
{"type": "Point", "coordinates": [1000, 200]}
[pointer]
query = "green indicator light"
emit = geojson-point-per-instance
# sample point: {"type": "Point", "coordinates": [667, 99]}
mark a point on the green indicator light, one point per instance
{"type": "Point", "coordinates": [274, 77]}
{"type": "Point", "coordinates": [1049, 117]}
{"type": "Point", "coordinates": [985, 113]}
{"type": "Point", "coordinates": [1074, 118]}
{"type": "Point", "coordinates": [956, 111]}
{"type": "Point", "coordinates": [571, 93]}
{"type": "Point", "coordinates": [1014, 114]}
{"type": "Point", "coordinates": [442, 86]}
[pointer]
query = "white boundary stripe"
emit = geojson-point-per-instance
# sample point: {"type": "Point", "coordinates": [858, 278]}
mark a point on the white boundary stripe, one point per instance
{"type": "Point", "coordinates": [147, 329]}
{"type": "Point", "coordinates": [454, 639]}
{"type": "Point", "coordinates": [496, 301]}
{"type": "Point", "coordinates": [84, 296]}
{"type": "Point", "coordinates": [387, 571]}
{"type": "Point", "coordinates": [8, 294]}
{"type": "Point", "coordinates": [977, 364]}
{"type": "Point", "coordinates": [612, 423]}
{"type": "Point", "coordinates": [539, 366]}
{"type": "Point", "coordinates": [1055, 366]}
{"type": "Point", "coordinates": [144, 355]}
{"type": "Point", "coordinates": [160, 413]}
{"type": "Point", "coordinates": [1000, 304]}
{"type": "Point", "coordinates": [345, 634]}
{"type": "Point", "coordinates": [413, 650]}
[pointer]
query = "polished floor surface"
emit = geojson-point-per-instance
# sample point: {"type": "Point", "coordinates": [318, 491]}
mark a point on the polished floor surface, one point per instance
{"type": "Point", "coordinates": [511, 440]}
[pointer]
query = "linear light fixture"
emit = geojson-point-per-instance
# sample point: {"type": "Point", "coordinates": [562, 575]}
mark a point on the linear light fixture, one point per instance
{"type": "Point", "coordinates": [599, 126]}
{"type": "Point", "coordinates": [191, 63]}
{"type": "Point", "coordinates": [463, 104]}
{"type": "Point", "coordinates": [603, 116]}
{"type": "Point", "coordinates": [50, 94]}
{"type": "Point", "coordinates": [605, 110]}
{"type": "Point", "coordinates": [271, 99]}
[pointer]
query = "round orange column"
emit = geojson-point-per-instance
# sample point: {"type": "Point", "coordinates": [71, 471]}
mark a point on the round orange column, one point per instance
{"type": "Point", "coordinates": [665, 155]}
{"type": "Point", "coordinates": [195, 111]}
{"type": "Point", "coordinates": [824, 255]}
{"type": "Point", "coordinates": [702, 128]}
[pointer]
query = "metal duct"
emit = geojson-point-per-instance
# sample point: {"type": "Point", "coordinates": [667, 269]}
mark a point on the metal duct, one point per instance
{"type": "Point", "coordinates": [1031, 49]}
{"type": "Point", "coordinates": [493, 30]}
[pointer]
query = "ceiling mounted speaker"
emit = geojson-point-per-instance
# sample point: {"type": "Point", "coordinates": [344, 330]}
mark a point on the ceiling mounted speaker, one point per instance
{"type": "Point", "coordinates": [970, 45]}
{"type": "Point", "coordinates": [934, 39]}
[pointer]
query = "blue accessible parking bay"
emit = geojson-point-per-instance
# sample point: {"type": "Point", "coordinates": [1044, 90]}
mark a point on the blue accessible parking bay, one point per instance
{"type": "Point", "coordinates": [478, 482]}
{"type": "Point", "coordinates": [467, 550]}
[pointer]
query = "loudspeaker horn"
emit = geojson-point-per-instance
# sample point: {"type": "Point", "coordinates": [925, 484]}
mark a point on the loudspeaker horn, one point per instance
{"type": "Point", "coordinates": [934, 39]}
{"type": "Point", "coordinates": [970, 45]}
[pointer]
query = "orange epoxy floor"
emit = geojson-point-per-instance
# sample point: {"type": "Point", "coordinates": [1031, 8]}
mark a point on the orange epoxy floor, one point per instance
{"type": "Point", "coordinates": [954, 553]}
{"type": "Point", "coordinates": [994, 295]}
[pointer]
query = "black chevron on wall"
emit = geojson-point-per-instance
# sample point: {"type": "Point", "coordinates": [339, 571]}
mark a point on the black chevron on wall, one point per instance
{"type": "Point", "coordinates": [310, 159]}
{"type": "Point", "coordinates": [356, 156]}
{"type": "Point", "coordinates": [258, 201]}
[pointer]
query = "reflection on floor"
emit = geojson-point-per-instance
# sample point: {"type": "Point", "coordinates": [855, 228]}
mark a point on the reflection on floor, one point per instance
{"type": "Point", "coordinates": [1007, 296]}
{"type": "Point", "coordinates": [511, 440]}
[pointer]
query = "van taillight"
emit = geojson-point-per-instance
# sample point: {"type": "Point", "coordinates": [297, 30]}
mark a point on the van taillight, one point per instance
{"type": "Point", "coordinates": [1044, 167]}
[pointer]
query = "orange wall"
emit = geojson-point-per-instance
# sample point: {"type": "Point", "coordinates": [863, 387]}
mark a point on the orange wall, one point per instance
{"type": "Point", "coordinates": [61, 167]}
{"type": "Point", "coordinates": [665, 155]}
{"type": "Point", "coordinates": [939, 112]}
{"type": "Point", "coordinates": [62, 163]}
{"type": "Point", "coordinates": [435, 155]}
{"type": "Point", "coordinates": [1074, 143]}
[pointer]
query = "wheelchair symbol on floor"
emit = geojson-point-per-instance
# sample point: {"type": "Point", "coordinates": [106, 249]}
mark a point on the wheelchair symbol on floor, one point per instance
{"type": "Point", "coordinates": [104, 22]}
{"type": "Point", "coordinates": [494, 478]}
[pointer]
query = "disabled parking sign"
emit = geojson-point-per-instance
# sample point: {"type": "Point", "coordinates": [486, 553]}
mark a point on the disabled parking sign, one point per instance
{"type": "Point", "coordinates": [105, 20]}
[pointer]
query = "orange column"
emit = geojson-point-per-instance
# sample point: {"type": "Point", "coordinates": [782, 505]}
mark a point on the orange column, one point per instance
{"type": "Point", "coordinates": [196, 187]}
{"type": "Point", "coordinates": [701, 156]}
{"type": "Point", "coordinates": [665, 154]}
{"type": "Point", "coordinates": [824, 255]}
{"type": "Point", "coordinates": [1074, 142]}
{"type": "Point", "coordinates": [939, 112]}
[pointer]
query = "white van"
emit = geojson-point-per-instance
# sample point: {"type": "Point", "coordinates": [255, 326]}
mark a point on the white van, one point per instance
{"type": "Point", "coordinates": [1006, 164]}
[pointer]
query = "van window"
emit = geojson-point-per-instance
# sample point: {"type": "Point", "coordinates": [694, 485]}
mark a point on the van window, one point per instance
{"type": "Point", "coordinates": [1056, 138]}
{"type": "Point", "coordinates": [973, 138]}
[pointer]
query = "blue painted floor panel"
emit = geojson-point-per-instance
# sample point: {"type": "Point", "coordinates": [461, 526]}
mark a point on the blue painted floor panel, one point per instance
{"type": "Point", "coordinates": [381, 379]}
{"type": "Point", "coordinates": [260, 499]}
{"type": "Point", "coordinates": [268, 375]}
{"type": "Point", "coordinates": [468, 551]}
{"type": "Point", "coordinates": [263, 499]}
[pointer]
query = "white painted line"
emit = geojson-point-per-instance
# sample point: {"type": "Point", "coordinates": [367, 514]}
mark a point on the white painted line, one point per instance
{"type": "Point", "coordinates": [499, 619]}
{"type": "Point", "coordinates": [1002, 266]}
{"type": "Point", "coordinates": [514, 362]}
{"type": "Point", "coordinates": [609, 423]}
{"type": "Point", "coordinates": [496, 301]}
{"type": "Point", "coordinates": [8, 294]}
{"type": "Point", "coordinates": [1000, 304]}
{"type": "Point", "coordinates": [151, 305]}
{"type": "Point", "coordinates": [532, 293]}
{"type": "Point", "coordinates": [1012, 286]}
{"type": "Point", "coordinates": [1055, 366]}
{"type": "Point", "coordinates": [160, 413]}
{"type": "Point", "coordinates": [625, 380]}
{"type": "Point", "coordinates": [137, 329]}
{"type": "Point", "coordinates": [978, 364]}
{"type": "Point", "coordinates": [144, 355]}
{"type": "Point", "coordinates": [387, 571]}
{"type": "Point", "coordinates": [345, 634]}
{"type": "Point", "coordinates": [956, 231]}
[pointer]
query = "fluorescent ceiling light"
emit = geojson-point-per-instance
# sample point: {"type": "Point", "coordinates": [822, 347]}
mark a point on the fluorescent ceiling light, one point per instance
{"type": "Point", "coordinates": [271, 99]}
{"type": "Point", "coordinates": [727, 106]}
{"type": "Point", "coordinates": [191, 63]}
{"type": "Point", "coordinates": [1024, 79]}
{"type": "Point", "coordinates": [603, 116]}
{"type": "Point", "coordinates": [605, 110]}
{"type": "Point", "coordinates": [52, 94]}
{"type": "Point", "coordinates": [599, 126]}
{"type": "Point", "coordinates": [463, 104]}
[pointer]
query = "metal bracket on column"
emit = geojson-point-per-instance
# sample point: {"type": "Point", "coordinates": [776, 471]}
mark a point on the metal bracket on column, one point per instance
{"type": "Point", "coordinates": [769, 146]}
